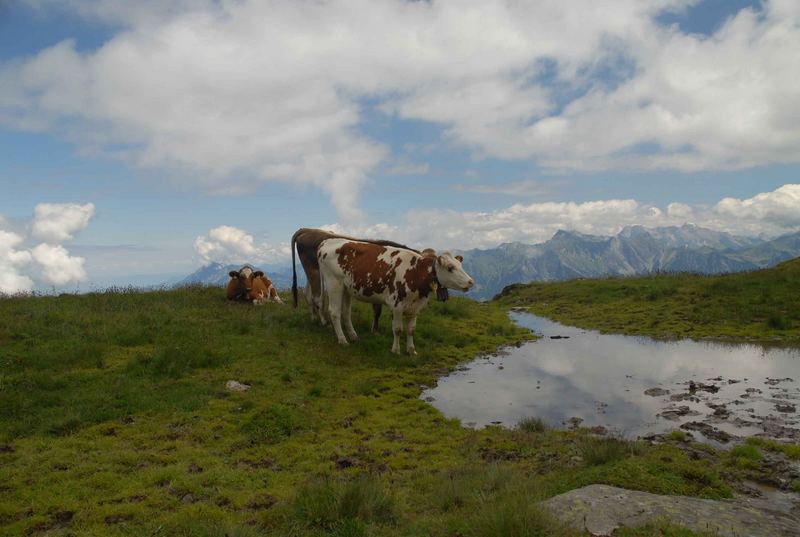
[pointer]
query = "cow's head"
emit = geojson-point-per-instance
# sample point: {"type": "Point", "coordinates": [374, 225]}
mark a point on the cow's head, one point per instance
{"type": "Point", "coordinates": [240, 284]}
{"type": "Point", "coordinates": [451, 274]}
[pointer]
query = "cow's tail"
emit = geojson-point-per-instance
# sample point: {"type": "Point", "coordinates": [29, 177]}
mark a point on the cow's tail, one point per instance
{"type": "Point", "coordinates": [294, 268]}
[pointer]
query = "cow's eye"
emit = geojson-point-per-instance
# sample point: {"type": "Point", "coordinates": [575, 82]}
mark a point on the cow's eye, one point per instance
{"type": "Point", "coordinates": [450, 268]}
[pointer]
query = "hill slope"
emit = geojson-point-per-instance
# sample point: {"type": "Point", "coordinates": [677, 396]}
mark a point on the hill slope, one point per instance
{"type": "Point", "coordinates": [763, 304]}
{"type": "Point", "coordinates": [114, 420]}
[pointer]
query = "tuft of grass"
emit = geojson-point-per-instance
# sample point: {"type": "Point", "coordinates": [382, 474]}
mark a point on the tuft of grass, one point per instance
{"type": "Point", "coordinates": [746, 451]}
{"type": "Point", "coordinates": [790, 450]}
{"type": "Point", "coordinates": [344, 508]}
{"type": "Point", "coordinates": [597, 451]}
{"type": "Point", "coordinates": [532, 425]}
{"type": "Point", "coordinates": [676, 436]}
{"type": "Point", "coordinates": [778, 321]}
{"type": "Point", "coordinates": [514, 514]}
{"type": "Point", "coordinates": [455, 489]}
{"type": "Point", "coordinates": [273, 424]}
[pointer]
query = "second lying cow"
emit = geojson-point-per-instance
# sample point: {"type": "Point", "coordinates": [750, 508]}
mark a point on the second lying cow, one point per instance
{"type": "Point", "coordinates": [247, 285]}
{"type": "Point", "coordinates": [401, 279]}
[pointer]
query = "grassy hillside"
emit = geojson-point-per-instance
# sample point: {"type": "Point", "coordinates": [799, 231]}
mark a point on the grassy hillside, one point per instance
{"type": "Point", "coordinates": [114, 420]}
{"type": "Point", "coordinates": [762, 305]}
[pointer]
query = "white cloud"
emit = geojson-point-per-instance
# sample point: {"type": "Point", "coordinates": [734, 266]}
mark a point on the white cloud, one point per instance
{"type": "Point", "coordinates": [57, 267]}
{"type": "Point", "coordinates": [770, 213]}
{"type": "Point", "coordinates": [226, 95]}
{"type": "Point", "coordinates": [228, 244]}
{"type": "Point", "coordinates": [58, 222]}
{"type": "Point", "coordinates": [11, 281]}
{"type": "Point", "coordinates": [22, 267]}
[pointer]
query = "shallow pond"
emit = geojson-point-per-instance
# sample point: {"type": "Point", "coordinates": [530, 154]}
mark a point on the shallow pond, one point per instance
{"type": "Point", "coordinates": [632, 386]}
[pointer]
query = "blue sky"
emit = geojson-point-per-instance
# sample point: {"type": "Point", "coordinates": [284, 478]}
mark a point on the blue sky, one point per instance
{"type": "Point", "coordinates": [382, 118]}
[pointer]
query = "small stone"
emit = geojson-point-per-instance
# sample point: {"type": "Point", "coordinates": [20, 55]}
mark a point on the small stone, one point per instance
{"type": "Point", "coordinates": [656, 392]}
{"type": "Point", "coordinates": [235, 386]}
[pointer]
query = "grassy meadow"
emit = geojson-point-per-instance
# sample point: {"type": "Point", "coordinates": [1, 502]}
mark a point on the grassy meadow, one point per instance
{"type": "Point", "coordinates": [114, 420]}
{"type": "Point", "coordinates": [760, 305]}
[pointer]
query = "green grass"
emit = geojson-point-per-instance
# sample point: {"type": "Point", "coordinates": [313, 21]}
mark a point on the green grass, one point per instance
{"type": "Point", "coordinates": [114, 420]}
{"type": "Point", "coordinates": [760, 305]}
{"type": "Point", "coordinates": [790, 450]}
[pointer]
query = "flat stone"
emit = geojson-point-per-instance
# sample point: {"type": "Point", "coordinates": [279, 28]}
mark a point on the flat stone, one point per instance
{"type": "Point", "coordinates": [601, 509]}
{"type": "Point", "coordinates": [235, 386]}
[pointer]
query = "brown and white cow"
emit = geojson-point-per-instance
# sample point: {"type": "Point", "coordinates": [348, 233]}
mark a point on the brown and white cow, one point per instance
{"type": "Point", "coordinates": [401, 279]}
{"type": "Point", "coordinates": [306, 241]}
{"type": "Point", "coordinates": [247, 285]}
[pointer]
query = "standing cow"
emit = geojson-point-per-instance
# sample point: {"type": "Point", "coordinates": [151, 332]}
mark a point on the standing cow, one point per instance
{"type": "Point", "coordinates": [306, 241]}
{"type": "Point", "coordinates": [401, 279]}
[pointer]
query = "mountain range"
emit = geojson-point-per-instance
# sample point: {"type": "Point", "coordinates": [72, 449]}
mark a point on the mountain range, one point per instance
{"type": "Point", "coordinates": [568, 254]}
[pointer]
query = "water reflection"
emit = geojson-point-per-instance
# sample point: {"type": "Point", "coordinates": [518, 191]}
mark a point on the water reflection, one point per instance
{"type": "Point", "coordinates": [601, 379]}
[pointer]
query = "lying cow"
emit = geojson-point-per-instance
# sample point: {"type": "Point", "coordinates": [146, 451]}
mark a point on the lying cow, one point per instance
{"type": "Point", "coordinates": [262, 290]}
{"type": "Point", "coordinates": [306, 241]}
{"type": "Point", "coordinates": [399, 278]}
{"type": "Point", "coordinates": [247, 285]}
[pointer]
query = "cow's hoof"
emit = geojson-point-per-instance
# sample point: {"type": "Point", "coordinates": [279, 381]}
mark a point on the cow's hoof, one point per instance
{"type": "Point", "coordinates": [396, 351]}
{"type": "Point", "coordinates": [343, 342]}
{"type": "Point", "coordinates": [353, 337]}
{"type": "Point", "coordinates": [411, 352]}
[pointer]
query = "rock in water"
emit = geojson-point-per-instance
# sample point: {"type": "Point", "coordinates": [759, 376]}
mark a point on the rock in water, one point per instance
{"type": "Point", "coordinates": [601, 509]}
{"type": "Point", "coordinates": [235, 386]}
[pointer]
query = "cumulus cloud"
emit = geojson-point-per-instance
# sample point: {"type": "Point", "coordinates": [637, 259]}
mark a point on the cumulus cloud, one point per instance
{"type": "Point", "coordinates": [228, 244]}
{"type": "Point", "coordinates": [49, 263]}
{"type": "Point", "coordinates": [56, 266]}
{"type": "Point", "coordinates": [230, 94]}
{"type": "Point", "coordinates": [11, 260]}
{"type": "Point", "coordinates": [58, 222]}
{"type": "Point", "coordinates": [771, 213]}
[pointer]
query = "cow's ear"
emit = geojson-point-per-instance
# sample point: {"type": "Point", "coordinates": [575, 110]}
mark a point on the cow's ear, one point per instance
{"type": "Point", "coordinates": [233, 274]}
{"type": "Point", "coordinates": [258, 274]}
{"type": "Point", "coordinates": [460, 259]}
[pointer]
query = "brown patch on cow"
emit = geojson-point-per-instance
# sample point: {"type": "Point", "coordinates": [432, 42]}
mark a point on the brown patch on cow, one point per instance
{"type": "Point", "coordinates": [413, 261]}
{"type": "Point", "coordinates": [394, 253]}
{"type": "Point", "coordinates": [362, 259]}
{"type": "Point", "coordinates": [324, 255]}
{"type": "Point", "coordinates": [419, 277]}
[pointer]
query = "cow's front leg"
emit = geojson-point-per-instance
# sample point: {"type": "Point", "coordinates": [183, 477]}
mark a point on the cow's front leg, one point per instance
{"type": "Point", "coordinates": [397, 329]}
{"type": "Point", "coordinates": [346, 316]}
{"type": "Point", "coordinates": [312, 302]}
{"type": "Point", "coordinates": [411, 324]}
{"type": "Point", "coordinates": [376, 318]}
{"type": "Point", "coordinates": [335, 293]}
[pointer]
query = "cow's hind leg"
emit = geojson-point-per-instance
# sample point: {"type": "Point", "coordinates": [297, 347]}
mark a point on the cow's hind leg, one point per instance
{"type": "Point", "coordinates": [411, 324]}
{"type": "Point", "coordinates": [346, 316]}
{"type": "Point", "coordinates": [335, 297]}
{"type": "Point", "coordinates": [397, 329]}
